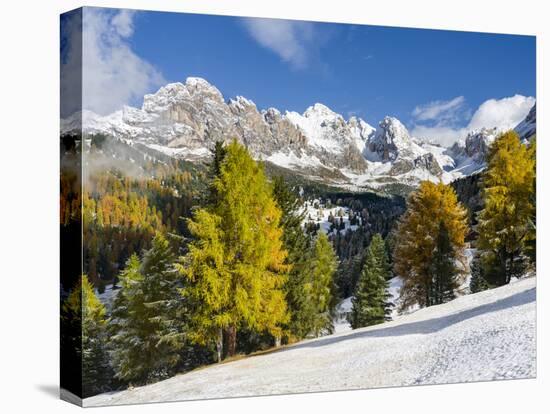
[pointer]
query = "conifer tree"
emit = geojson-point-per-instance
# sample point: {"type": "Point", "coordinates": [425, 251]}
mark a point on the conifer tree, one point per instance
{"type": "Point", "coordinates": [236, 267]}
{"type": "Point", "coordinates": [82, 305]}
{"type": "Point", "coordinates": [214, 170]}
{"type": "Point", "coordinates": [208, 281]}
{"type": "Point", "coordinates": [320, 289]}
{"type": "Point", "coordinates": [477, 280]}
{"type": "Point", "coordinates": [506, 221]}
{"type": "Point", "coordinates": [126, 325]}
{"type": "Point", "coordinates": [147, 324]}
{"type": "Point", "coordinates": [296, 243]}
{"type": "Point", "coordinates": [422, 249]}
{"type": "Point", "coordinates": [444, 268]}
{"type": "Point", "coordinates": [370, 303]}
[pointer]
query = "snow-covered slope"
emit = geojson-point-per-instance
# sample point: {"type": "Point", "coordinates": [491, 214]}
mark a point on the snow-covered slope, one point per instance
{"type": "Point", "coordinates": [186, 119]}
{"type": "Point", "coordinates": [485, 336]}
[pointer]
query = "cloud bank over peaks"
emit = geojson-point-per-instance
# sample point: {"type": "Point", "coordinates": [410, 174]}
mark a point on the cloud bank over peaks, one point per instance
{"type": "Point", "coordinates": [503, 113]}
{"type": "Point", "coordinates": [439, 121]}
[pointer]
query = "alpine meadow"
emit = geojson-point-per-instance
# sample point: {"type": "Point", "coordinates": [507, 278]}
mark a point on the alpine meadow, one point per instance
{"type": "Point", "coordinates": [217, 247]}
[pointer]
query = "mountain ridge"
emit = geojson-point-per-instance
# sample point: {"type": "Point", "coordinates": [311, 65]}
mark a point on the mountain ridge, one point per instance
{"type": "Point", "coordinates": [186, 119]}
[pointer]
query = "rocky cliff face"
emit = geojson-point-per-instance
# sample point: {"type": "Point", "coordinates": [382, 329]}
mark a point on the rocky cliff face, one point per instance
{"type": "Point", "coordinates": [477, 143]}
{"type": "Point", "coordinates": [393, 143]}
{"type": "Point", "coordinates": [390, 139]}
{"type": "Point", "coordinates": [527, 128]}
{"type": "Point", "coordinates": [194, 115]}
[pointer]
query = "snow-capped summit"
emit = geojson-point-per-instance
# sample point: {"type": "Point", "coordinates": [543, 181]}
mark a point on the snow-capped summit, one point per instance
{"type": "Point", "coordinates": [361, 133]}
{"type": "Point", "coordinates": [318, 123]}
{"type": "Point", "coordinates": [477, 143]}
{"type": "Point", "coordinates": [328, 130]}
{"type": "Point", "coordinates": [200, 85]}
{"type": "Point", "coordinates": [320, 113]}
{"type": "Point", "coordinates": [178, 93]}
{"type": "Point", "coordinates": [391, 137]}
{"type": "Point", "coordinates": [241, 102]}
{"type": "Point", "coordinates": [392, 141]}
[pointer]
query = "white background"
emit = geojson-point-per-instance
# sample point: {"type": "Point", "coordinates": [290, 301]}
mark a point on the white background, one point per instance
{"type": "Point", "coordinates": [29, 99]}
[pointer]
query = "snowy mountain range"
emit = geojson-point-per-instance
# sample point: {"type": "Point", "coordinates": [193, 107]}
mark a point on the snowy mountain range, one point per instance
{"type": "Point", "coordinates": [186, 119]}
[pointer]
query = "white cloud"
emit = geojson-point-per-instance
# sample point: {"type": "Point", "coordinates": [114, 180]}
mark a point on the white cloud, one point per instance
{"type": "Point", "coordinates": [113, 74]}
{"type": "Point", "coordinates": [439, 110]}
{"type": "Point", "coordinates": [123, 22]}
{"type": "Point", "coordinates": [291, 40]}
{"type": "Point", "coordinates": [443, 135]}
{"type": "Point", "coordinates": [503, 114]}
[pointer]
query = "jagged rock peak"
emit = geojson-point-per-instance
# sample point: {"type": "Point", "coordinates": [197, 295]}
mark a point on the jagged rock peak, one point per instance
{"type": "Point", "coordinates": [477, 142]}
{"type": "Point", "coordinates": [241, 101]}
{"type": "Point", "coordinates": [391, 128]}
{"type": "Point", "coordinates": [200, 84]}
{"type": "Point", "coordinates": [177, 92]}
{"type": "Point", "coordinates": [390, 138]}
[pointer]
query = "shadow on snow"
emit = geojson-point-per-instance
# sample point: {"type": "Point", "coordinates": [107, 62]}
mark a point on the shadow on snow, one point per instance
{"type": "Point", "coordinates": [426, 326]}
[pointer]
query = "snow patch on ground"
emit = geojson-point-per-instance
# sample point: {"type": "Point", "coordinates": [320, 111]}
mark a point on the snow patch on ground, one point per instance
{"type": "Point", "coordinates": [291, 160]}
{"type": "Point", "coordinates": [108, 296]}
{"type": "Point", "coordinates": [343, 309]}
{"type": "Point", "coordinates": [489, 335]}
{"type": "Point", "coordinates": [319, 213]}
{"type": "Point", "coordinates": [184, 152]}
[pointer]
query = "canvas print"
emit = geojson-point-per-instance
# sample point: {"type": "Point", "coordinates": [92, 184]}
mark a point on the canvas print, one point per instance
{"type": "Point", "coordinates": [256, 206]}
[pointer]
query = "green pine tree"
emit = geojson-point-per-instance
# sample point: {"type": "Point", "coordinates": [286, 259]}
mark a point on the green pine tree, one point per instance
{"type": "Point", "coordinates": [296, 243]}
{"type": "Point", "coordinates": [320, 289]}
{"type": "Point", "coordinates": [83, 305]}
{"type": "Point", "coordinates": [214, 169]}
{"type": "Point", "coordinates": [477, 281]}
{"type": "Point", "coordinates": [444, 269]}
{"type": "Point", "coordinates": [371, 304]}
{"type": "Point", "coordinates": [148, 318]}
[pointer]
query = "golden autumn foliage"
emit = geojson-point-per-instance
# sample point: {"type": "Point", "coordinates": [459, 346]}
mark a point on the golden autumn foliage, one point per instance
{"type": "Point", "coordinates": [429, 209]}
{"type": "Point", "coordinates": [121, 214]}
{"type": "Point", "coordinates": [506, 223]}
{"type": "Point", "coordinates": [236, 266]}
{"type": "Point", "coordinates": [70, 199]}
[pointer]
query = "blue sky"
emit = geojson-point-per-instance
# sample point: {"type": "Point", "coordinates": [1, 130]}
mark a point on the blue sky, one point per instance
{"type": "Point", "coordinates": [428, 79]}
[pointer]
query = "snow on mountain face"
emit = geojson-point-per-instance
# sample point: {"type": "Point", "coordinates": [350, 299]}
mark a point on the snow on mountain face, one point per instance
{"type": "Point", "coordinates": [194, 115]}
{"type": "Point", "coordinates": [390, 140]}
{"type": "Point", "coordinates": [329, 135]}
{"type": "Point", "coordinates": [396, 157]}
{"type": "Point", "coordinates": [528, 127]}
{"type": "Point", "coordinates": [186, 119]}
{"type": "Point", "coordinates": [322, 126]}
{"type": "Point", "coordinates": [478, 142]}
